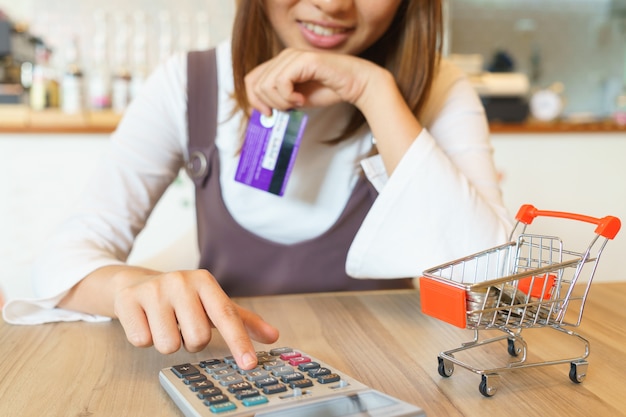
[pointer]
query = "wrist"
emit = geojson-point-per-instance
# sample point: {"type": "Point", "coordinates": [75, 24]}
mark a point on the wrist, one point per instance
{"type": "Point", "coordinates": [379, 88]}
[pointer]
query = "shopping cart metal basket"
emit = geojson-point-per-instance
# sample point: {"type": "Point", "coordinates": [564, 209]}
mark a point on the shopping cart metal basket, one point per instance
{"type": "Point", "coordinates": [532, 281]}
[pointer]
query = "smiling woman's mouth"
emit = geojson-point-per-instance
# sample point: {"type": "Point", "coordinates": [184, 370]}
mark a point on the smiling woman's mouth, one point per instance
{"type": "Point", "coordinates": [324, 30]}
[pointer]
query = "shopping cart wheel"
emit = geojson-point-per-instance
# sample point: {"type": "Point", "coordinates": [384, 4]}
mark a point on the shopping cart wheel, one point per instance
{"type": "Point", "coordinates": [489, 385]}
{"type": "Point", "coordinates": [578, 371]}
{"type": "Point", "coordinates": [514, 347]}
{"type": "Point", "coordinates": [446, 368]}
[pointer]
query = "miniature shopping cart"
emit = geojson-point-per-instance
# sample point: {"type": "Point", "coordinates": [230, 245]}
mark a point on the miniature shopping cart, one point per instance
{"type": "Point", "coordinates": [530, 282]}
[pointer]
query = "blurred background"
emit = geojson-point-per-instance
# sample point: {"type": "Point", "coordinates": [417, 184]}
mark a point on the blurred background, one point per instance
{"type": "Point", "coordinates": [111, 45]}
{"type": "Point", "coordinates": [551, 74]}
{"type": "Point", "coordinates": [579, 44]}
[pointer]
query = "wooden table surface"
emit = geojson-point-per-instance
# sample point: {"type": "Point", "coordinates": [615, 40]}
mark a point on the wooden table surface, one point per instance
{"type": "Point", "coordinates": [380, 338]}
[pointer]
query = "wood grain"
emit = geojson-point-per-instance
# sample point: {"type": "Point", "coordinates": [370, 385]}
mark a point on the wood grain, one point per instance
{"type": "Point", "coordinates": [380, 338]}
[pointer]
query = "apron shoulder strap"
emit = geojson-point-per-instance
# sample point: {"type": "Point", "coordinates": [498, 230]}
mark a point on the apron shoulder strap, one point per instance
{"type": "Point", "coordinates": [202, 93]}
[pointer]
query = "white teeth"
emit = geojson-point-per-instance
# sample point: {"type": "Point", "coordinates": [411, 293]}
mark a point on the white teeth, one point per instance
{"type": "Point", "coordinates": [321, 30]}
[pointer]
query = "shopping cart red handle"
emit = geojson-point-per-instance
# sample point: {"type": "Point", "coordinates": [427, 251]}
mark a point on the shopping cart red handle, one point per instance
{"type": "Point", "coordinates": [607, 226]}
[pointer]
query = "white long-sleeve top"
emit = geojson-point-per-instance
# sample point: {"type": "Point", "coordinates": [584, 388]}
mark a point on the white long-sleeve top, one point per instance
{"type": "Point", "coordinates": [441, 202]}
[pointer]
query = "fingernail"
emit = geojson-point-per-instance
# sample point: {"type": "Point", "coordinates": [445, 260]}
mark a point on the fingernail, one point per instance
{"type": "Point", "coordinates": [248, 360]}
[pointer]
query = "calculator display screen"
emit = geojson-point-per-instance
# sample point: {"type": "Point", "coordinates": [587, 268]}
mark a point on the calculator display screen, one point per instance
{"type": "Point", "coordinates": [358, 404]}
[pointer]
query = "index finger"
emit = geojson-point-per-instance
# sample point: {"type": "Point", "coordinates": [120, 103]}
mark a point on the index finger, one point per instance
{"type": "Point", "coordinates": [224, 315]}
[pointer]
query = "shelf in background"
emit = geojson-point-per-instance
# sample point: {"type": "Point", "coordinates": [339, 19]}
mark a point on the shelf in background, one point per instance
{"type": "Point", "coordinates": [561, 126]}
{"type": "Point", "coordinates": [20, 119]}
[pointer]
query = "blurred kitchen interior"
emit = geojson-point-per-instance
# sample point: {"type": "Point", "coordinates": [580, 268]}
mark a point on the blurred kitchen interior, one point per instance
{"type": "Point", "coordinates": [576, 48]}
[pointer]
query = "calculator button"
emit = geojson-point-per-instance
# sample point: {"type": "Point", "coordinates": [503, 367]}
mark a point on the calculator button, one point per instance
{"type": "Point", "coordinates": [223, 373]}
{"type": "Point", "coordinates": [216, 399]}
{"type": "Point", "coordinates": [216, 367]}
{"type": "Point", "coordinates": [221, 407]}
{"type": "Point", "coordinates": [262, 359]}
{"type": "Point", "coordinates": [249, 402]}
{"type": "Point", "coordinates": [265, 382]}
{"type": "Point", "coordinates": [288, 355]}
{"type": "Point", "coordinates": [301, 383]}
{"type": "Point", "coordinates": [239, 386]}
{"type": "Point", "coordinates": [230, 379]}
{"type": "Point", "coordinates": [192, 379]}
{"type": "Point", "coordinates": [314, 373]}
{"type": "Point", "coordinates": [249, 371]}
{"type": "Point", "coordinates": [199, 386]}
{"type": "Point", "coordinates": [248, 393]}
{"type": "Point", "coordinates": [185, 370]}
{"type": "Point", "coordinates": [283, 370]}
{"type": "Point", "coordinates": [257, 375]}
{"type": "Point", "coordinates": [208, 392]}
{"type": "Point", "coordinates": [326, 379]}
{"type": "Point", "coordinates": [274, 389]}
{"type": "Point", "coordinates": [295, 376]}
{"type": "Point", "coordinates": [307, 366]}
{"type": "Point", "coordinates": [270, 365]}
{"type": "Point", "coordinates": [208, 362]}
{"type": "Point", "coordinates": [279, 351]}
{"type": "Point", "coordinates": [297, 361]}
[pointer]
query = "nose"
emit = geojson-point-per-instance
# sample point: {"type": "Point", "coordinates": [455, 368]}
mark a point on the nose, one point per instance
{"type": "Point", "coordinates": [334, 6]}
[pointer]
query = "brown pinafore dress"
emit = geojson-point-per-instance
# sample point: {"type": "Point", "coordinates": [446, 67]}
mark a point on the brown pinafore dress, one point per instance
{"type": "Point", "coordinates": [246, 264]}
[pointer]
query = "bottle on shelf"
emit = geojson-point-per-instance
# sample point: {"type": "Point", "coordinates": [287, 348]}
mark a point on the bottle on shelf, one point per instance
{"type": "Point", "coordinates": [44, 90]}
{"type": "Point", "coordinates": [619, 115]}
{"type": "Point", "coordinates": [53, 86]}
{"type": "Point", "coordinates": [38, 95]}
{"type": "Point", "coordinates": [99, 74]}
{"type": "Point", "coordinates": [72, 81]}
{"type": "Point", "coordinates": [120, 88]}
{"type": "Point", "coordinates": [139, 53]}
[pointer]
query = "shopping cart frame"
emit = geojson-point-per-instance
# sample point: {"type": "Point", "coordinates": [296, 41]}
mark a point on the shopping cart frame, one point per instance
{"type": "Point", "coordinates": [529, 282]}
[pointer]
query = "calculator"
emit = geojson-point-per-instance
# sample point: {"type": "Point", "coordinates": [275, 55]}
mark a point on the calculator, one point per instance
{"type": "Point", "coordinates": [286, 383]}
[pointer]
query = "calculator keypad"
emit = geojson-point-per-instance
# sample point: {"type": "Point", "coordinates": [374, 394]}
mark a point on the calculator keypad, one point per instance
{"type": "Point", "coordinates": [222, 387]}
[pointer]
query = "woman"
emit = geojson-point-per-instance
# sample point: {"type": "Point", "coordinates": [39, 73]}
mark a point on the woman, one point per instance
{"type": "Point", "coordinates": [383, 112]}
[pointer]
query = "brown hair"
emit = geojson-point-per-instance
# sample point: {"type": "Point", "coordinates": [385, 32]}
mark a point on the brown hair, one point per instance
{"type": "Point", "coordinates": [410, 50]}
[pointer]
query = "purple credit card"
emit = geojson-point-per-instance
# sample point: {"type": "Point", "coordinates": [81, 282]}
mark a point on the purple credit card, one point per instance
{"type": "Point", "coordinates": [269, 150]}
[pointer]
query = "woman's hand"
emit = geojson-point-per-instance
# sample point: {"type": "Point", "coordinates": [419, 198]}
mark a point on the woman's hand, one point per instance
{"type": "Point", "coordinates": [300, 78]}
{"type": "Point", "coordinates": [174, 309]}
{"type": "Point", "coordinates": [297, 78]}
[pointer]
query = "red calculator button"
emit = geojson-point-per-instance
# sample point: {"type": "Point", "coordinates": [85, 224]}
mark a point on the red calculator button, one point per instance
{"type": "Point", "coordinates": [288, 355]}
{"type": "Point", "coordinates": [297, 361]}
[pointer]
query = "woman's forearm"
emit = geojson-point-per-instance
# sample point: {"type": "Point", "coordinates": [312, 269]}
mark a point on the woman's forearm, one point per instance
{"type": "Point", "coordinates": [393, 125]}
{"type": "Point", "coordinates": [95, 294]}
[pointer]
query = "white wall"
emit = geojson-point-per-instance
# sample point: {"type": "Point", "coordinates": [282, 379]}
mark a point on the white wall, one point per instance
{"type": "Point", "coordinates": [42, 175]}
{"type": "Point", "coordinates": [584, 173]}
